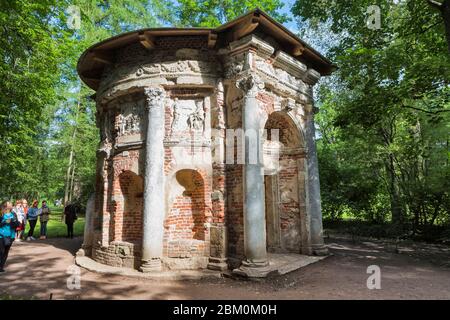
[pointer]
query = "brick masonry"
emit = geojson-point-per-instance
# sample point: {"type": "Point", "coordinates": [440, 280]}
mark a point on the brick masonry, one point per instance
{"type": "Point", "coordinates": [204, 203]}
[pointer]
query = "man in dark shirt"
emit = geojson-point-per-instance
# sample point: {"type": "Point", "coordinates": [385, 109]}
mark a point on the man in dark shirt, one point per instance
{"type": "Point", "coordinates": [70, 215]}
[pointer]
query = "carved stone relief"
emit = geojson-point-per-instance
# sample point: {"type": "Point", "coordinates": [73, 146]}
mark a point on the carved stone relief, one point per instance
{"type": "Point", "coordinates": [134, 70]}
{"type": "Point", "coordinates": [188, 115]}
{"type": "Point", "coordinates": [234, 66]}
{"type": "Point", "coordinates": [218, 109]}
{"type": "Point", "coordinates": [129, 118]}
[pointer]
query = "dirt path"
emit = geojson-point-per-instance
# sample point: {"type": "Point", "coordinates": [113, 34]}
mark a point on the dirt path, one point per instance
{"type": "Point", "coordinates": [39, 268]}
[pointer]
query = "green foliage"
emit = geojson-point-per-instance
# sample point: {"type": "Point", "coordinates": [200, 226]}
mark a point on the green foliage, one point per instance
{"type": "Point", "coordinates": [29, 72]}
{"type": "Point", "coordinates": [46, 113]}
{"type": "Point", "coordinates": [385, 114]}
{"type": "Point", "coordinates": [212, 13]}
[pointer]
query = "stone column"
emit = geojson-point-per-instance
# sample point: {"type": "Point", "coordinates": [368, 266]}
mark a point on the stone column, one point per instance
{"type": "Point", "coordinates": [89, 225]}
{"type": "Point", "coordinates": [255, 263]}
{"type": "Point", "coordinates": [153, 215]}
{"type": "Point", "coordinates": [313, 206]}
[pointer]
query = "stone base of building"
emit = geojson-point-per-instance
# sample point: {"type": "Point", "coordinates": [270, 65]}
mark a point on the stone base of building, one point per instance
{"type": "Point", "coordinates": [125, 256]}
{"type": "Point", "coordinates": [217, 264]}
{"type": "Point", "coordinates": [321, 250]}
{"type": "Point", "coordinates": [252, 272]}
{"type": "Point", "coordinates": [279, 264]}
{"type": "Point", "coordinates": [151, 265]}
{"type": "Point", "coordinates": [128, 255]}
{"type": "Point", "coordinates": [191, 263]}
{"type": "Point", "coordinates": [94, 266]}
{"type": "Point", "coordinates": [118, 254]}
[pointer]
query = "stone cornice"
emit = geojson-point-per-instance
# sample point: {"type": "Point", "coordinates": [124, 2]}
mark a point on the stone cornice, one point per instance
{"type": "Point", "coordinates": [203, 143]}
{"type": "Point", "coordinates": [264, 49]}
{"type": "Point", "coordinates": [118, 148]}
{"type": "Point", "coordinates": [284, 89]}
{"type": "Point", "coordinates": [286, 62]}
{"type": "Point", "coordinates": [311, 76]}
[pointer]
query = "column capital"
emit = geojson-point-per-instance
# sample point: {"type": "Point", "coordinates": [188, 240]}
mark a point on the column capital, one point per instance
{"type": "Point", "coordinates": [250, 84]}
{"type": "Point", "coordinates": [288, 104]}
{"type": "Point", "coordinates": [154, 96]}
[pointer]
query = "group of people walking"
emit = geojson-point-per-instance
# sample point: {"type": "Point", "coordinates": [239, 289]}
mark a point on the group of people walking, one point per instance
{"type": "Point", "coordinates": [13, 220]}
{"type": "Point", "coordinates": [24, 214]}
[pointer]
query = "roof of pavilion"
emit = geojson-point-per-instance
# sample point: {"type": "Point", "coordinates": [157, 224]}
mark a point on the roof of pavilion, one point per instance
{"type": "Point", "coordinates": [94, 59]}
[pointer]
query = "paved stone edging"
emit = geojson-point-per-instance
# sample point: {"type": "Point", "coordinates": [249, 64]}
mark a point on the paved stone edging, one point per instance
{"type": "Point", "coordinates": [91, 265]}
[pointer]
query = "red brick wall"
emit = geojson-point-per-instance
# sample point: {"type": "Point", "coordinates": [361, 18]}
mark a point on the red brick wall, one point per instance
{"type": "Point", "coordinates": [288, 176]}
{"type": "Point", "coordinates": [185, 232]}
{"type": "Point", "coordinates": [127, 220]}
{"type": "Point", "coordinates": [126, 202]}
{"type": "Point", "coordinates": [235, 210]}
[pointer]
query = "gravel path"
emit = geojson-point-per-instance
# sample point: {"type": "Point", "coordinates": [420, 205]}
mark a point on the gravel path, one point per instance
{"type": "Point", "coordinates": [415, 271]}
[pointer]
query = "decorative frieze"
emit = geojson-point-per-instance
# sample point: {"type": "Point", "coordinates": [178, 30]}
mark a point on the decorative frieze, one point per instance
{"type": "Point", "coordinates": [311, 77]}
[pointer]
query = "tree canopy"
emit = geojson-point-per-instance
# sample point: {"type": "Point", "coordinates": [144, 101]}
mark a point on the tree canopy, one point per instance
{"type": "Point", "coordinates": [385, 114]}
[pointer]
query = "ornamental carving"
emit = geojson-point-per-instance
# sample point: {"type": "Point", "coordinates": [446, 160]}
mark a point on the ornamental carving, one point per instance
{"type": "Point", "coordinates": [155, 97]}
{"type": "Point", "coordinates": [129, 118]}
{"type": "Point", "coordinates": [250, 85]}
{"type": "Point", "coordinates": [121, 72]}
{"type": "Point", "coordinates": [234, 69]}
{"type": "Point", "coordinates": [280, 75]}
{"type": "Point", "coordinates": [188, 115]}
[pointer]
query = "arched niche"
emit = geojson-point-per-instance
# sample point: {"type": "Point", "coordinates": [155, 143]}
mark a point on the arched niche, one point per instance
{"type": "Point", "coordinates": [284, 183]}
{"type": "Point", "coordinates": [185, 232]}
{"type": "Point", "coordinates": [128, 207]}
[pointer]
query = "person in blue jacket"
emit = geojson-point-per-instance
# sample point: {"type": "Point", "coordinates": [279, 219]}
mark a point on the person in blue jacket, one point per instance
{"type": "Point", "coordinates": [32, 217]}
{"type": "Point", "coordinates": [8, 225]}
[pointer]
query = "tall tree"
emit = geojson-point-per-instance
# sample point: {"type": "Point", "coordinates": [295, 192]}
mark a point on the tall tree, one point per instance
{"type": "Point", "coordinates": [31, 48]}
{"type": "Point", "coordinates": [42, 101]}
{"type": "Point", "coordinates": [389, 106]}
{"type": "Point", "coordinates": [79, 134]}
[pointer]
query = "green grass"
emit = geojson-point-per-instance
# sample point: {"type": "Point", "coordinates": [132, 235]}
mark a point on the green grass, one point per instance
{"type": "Point", "coordinates": [56, 228]}
{"type": "Point", "coordinates": [10, 297]}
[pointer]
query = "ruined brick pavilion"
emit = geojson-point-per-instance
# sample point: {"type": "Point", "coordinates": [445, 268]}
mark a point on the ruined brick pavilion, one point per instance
{"type": "Point", "coordinates": [167, 97]}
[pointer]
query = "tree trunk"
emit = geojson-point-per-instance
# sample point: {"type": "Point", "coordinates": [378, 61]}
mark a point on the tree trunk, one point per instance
{"type": "Point", "coordinates": [68, 174]}
{"type": "Point", "coordinates": [396, 210]}
{"type": "Point", "coordinates": [71, 155]}
{"type": "Point", "coordinates": [72, 187]}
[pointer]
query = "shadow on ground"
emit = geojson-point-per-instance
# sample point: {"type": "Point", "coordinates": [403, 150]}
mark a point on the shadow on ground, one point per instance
{"type": "Point", "coordinates": [408, 271]}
